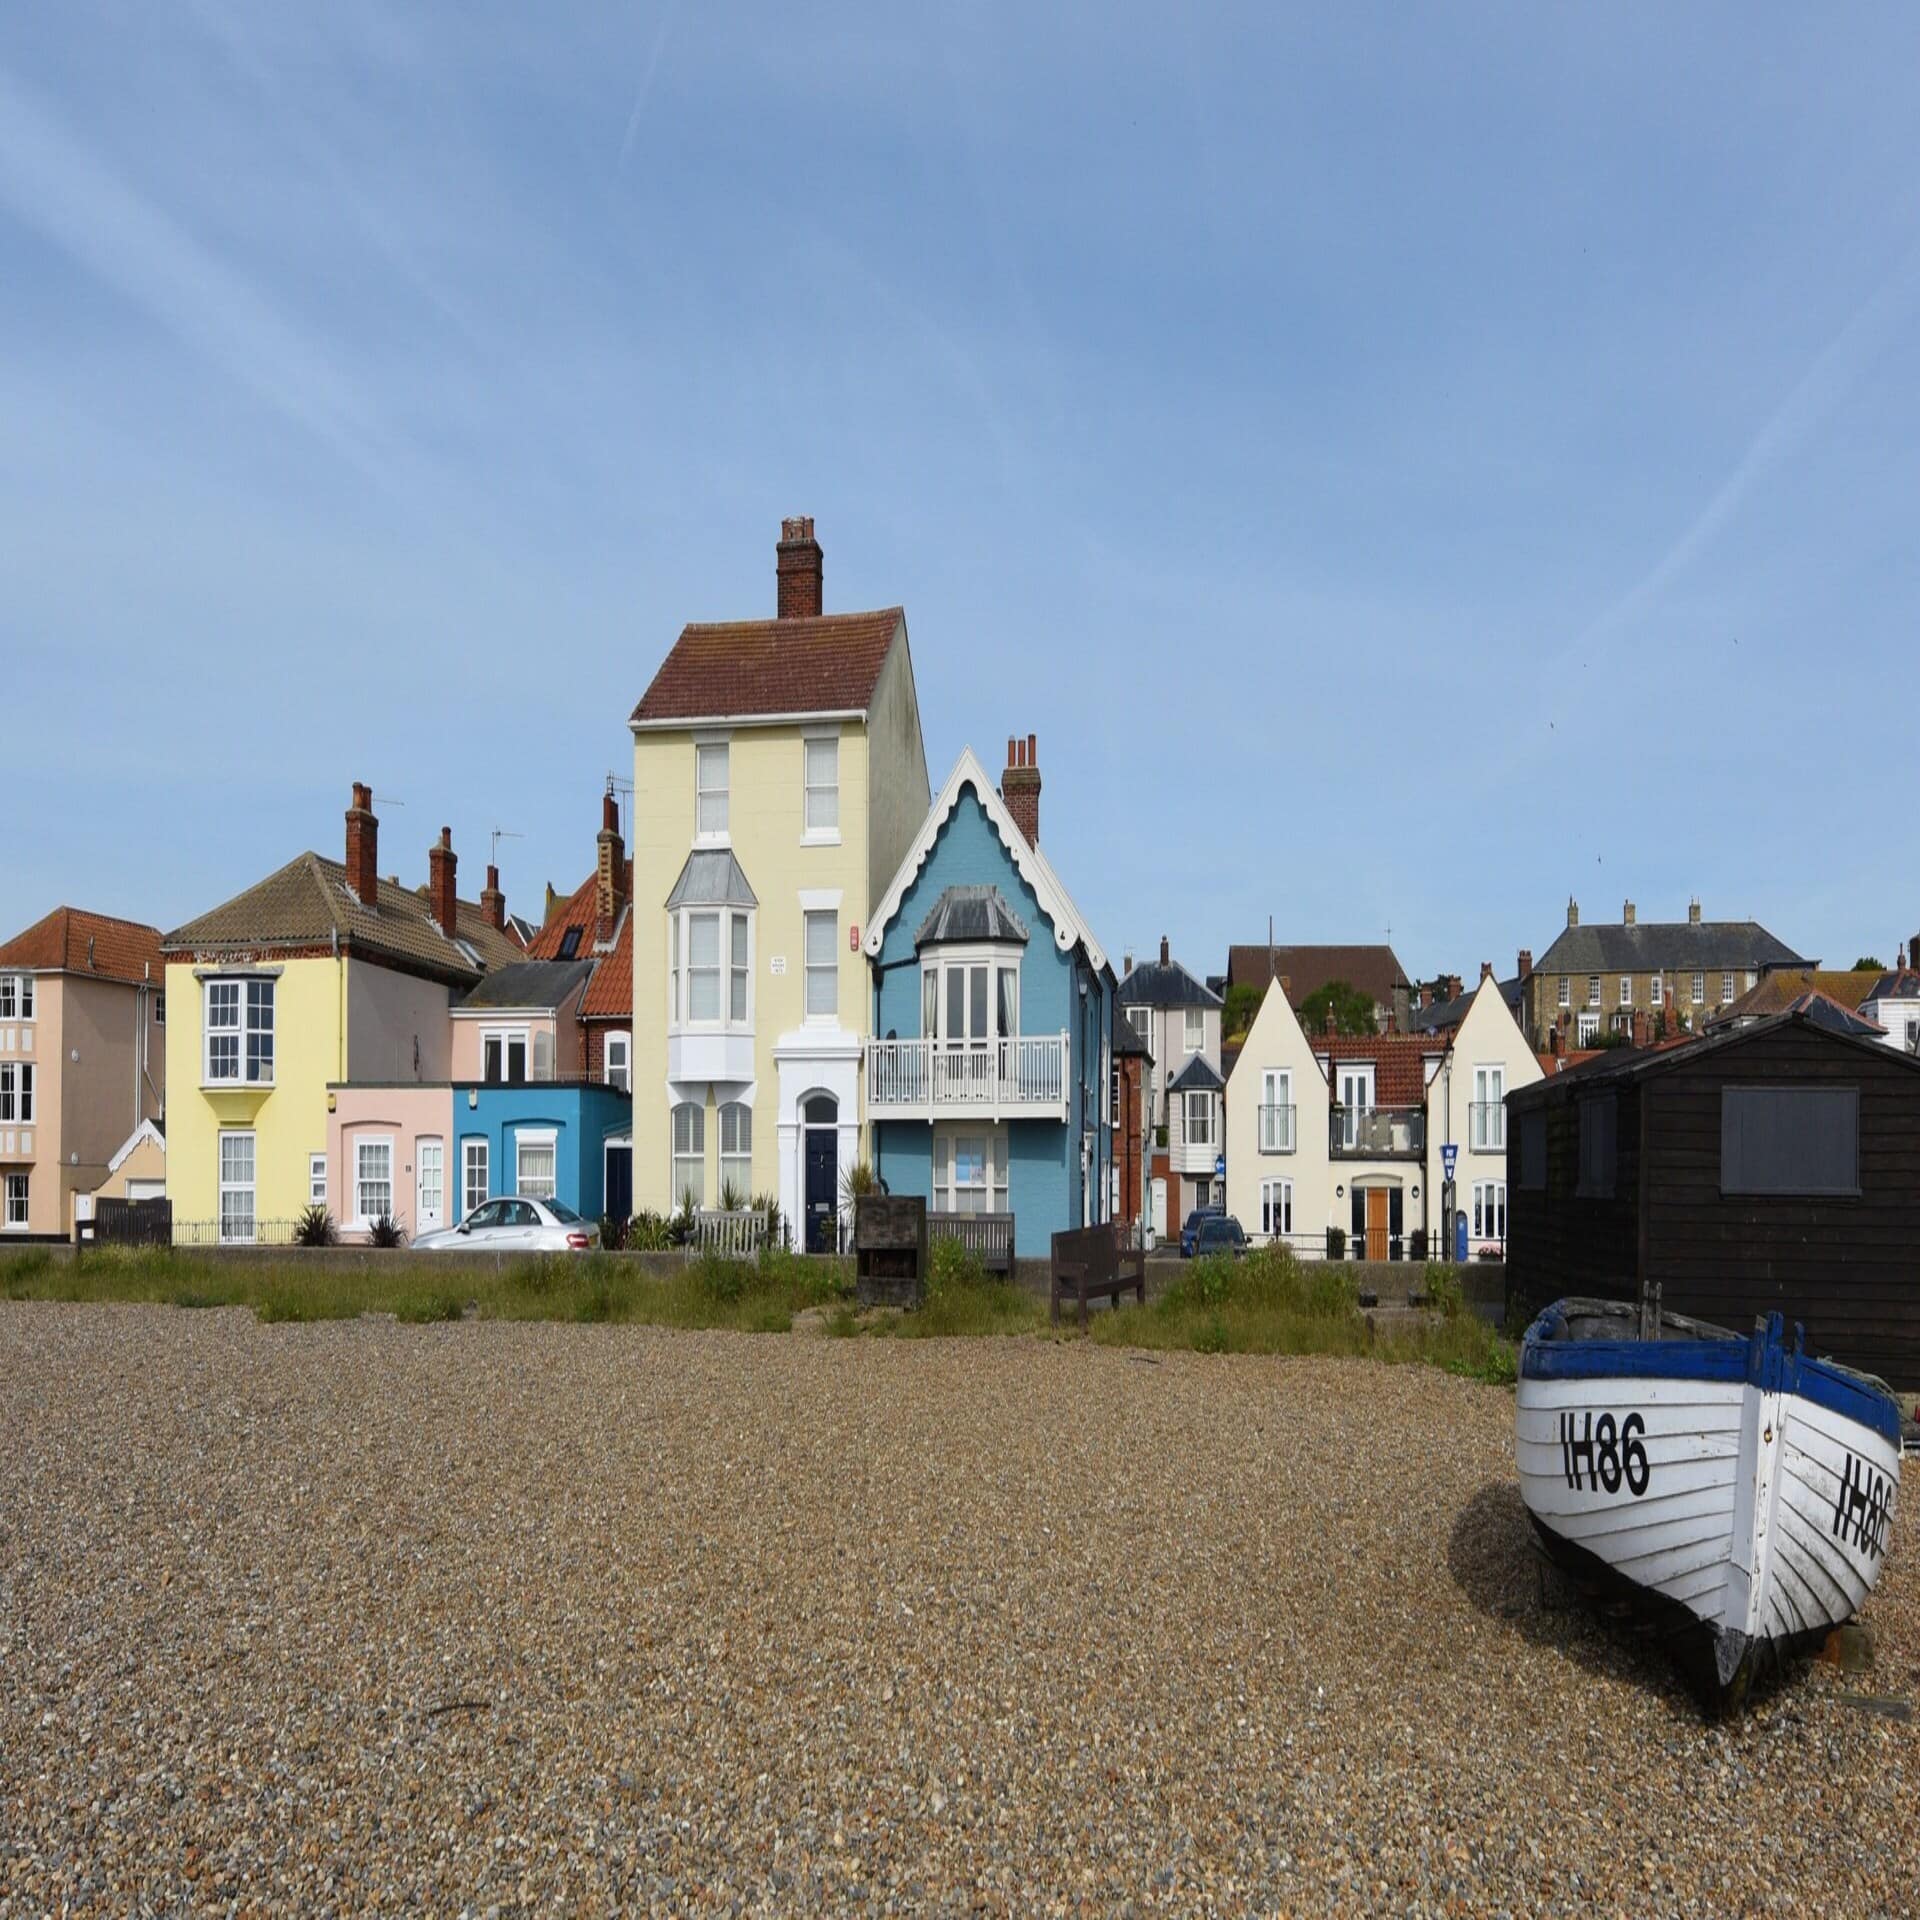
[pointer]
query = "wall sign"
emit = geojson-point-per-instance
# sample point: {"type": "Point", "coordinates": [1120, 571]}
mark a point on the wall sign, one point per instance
{"type": "Point", "coordinates": [778, 964]}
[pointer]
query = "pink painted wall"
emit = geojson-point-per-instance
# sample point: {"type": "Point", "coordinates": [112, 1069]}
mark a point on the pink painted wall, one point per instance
{"type": "Point", "coordinates": [404, 1115]}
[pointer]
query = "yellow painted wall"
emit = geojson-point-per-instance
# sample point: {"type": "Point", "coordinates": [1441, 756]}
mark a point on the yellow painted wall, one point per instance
{"type": "Point", "coordinates": [288, 1120]}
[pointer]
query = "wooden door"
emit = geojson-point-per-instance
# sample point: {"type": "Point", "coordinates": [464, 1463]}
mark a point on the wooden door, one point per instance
{"type": "Point", "coordinates": [1376, 1223]}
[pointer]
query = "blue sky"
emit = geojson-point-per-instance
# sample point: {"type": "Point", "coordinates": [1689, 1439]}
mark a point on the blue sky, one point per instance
{"type": "Point", "coordinates": [1404, 473]}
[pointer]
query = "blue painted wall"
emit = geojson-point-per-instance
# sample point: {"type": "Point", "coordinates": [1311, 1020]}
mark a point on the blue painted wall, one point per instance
{"type": "Point", "coordinates": [581, 1117]}
{"type": "Point", "coordinates": [1059, 992]}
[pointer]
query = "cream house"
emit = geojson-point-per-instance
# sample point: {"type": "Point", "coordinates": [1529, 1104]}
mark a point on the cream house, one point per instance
{"type": "Point", "coordinates": [1340, 1140]}
{"type": "Point", "coordinates": [779, 778]}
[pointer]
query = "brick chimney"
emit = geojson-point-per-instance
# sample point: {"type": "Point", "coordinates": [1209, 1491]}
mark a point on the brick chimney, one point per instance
{"type": "Point", "coordinates": [1326, 1023]}
{"type": "Point", "coordinates": [1557, 1041]}
{"type": "Point", "coordinates": [1525, 963]}
{"type": "Point", "coordinates": [441, 895]}
{"type": "Point", "coordinates": [493, 903]}
{"type": "Point", "coordinates": [798, 564]}
{"type": "Point", "coordinates": [1020, 786]}
{"type": "Point", "coordinates": [1573, 911]}
{"type": "Point", "coordinates": [1455, 986]}
{"type": "Point", "coordinates": [1626, 913]}
{"type": "Point", "coordinates": [1486, 969]}
{"type": "Point", "coordinates": [1693, 911]}
{"type": "Point", "coordinates": [610, 876]}
{"type": "Point", "coordinates": [1166, 953]}
{"type": "Point", "coordinates": [1640, 1034]}
{"type": "Point", "coordinates": [363, 846]}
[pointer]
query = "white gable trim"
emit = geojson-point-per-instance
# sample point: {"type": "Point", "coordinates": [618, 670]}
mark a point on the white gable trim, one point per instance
{"type": "Point", "coordinates": [146, 1130]}
{"type": "Point", "coordinates": [1055, 902]}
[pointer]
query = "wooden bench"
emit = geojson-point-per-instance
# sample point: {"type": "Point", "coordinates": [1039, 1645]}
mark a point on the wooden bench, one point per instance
{"type": "Point", "coordinates": [1090, 1264]}
{"type": "Point", "coordinates": [733, 1236]}
{"type": "Point", "coordinates": [987, 1236]}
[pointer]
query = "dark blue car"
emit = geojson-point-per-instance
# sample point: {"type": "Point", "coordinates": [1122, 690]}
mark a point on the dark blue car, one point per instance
{"type": "Point", "coordinates": [1211, 1230]}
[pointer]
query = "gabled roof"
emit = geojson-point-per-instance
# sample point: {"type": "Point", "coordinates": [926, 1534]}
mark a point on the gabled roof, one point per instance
{"type": "Point", "coordinates": [1196, 1075]}
{"type": "Point", "coordinates": [526, 983]}
{"type": "Point", "coordinates": [712, 877]}
{"type": "Point", "coordinates": [1375, 970]}
{"type": "Point", "coordinates": [308, 903]}
{"type": "Point", "coordinates": [971, 913]}
{"type": "Point", "coordinates": [1896, 983]}
{"type": "Point", "coordinates": [1677, 946]}
{"type": "Point", "coordinates": [71, 940]}
{"type": "Point", "coordinates": [752, 669]}
{"type": "Point", "coordinates": [1069, 929]}
{"type": "Point", "coordinates": [1449, 1013]}
{"type": "Point", "coordinates": [1824, 1011]}
{"type": "Point", "coordinates": [1399, 1061]}
{"type": "Point", "coordinates": [1164, 983]}
{"type": "Point", "coordinates": [154, 1130]}
{"type": "Point", "coordinates": [1781, 988]}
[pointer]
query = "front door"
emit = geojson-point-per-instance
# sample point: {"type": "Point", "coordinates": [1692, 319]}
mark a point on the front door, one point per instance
{"type": "Point", "coordinates": [429, 1185]}
{"type": "Point", "coordinates": [1377, 1221]}
{"type": "Point", "coordinates": [619, 1205]}
{"type": "Point", "coordinates": [822, 1188]}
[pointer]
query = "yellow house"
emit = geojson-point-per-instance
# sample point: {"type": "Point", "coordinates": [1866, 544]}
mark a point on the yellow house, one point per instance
{"type": "Point", "coordinates": [321, 972]}
{"type": "Point", "coordinates": [779, 777]}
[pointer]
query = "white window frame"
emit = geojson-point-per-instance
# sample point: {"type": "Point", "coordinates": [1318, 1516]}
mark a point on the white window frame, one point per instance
{"type": "Point", "coordinates": [1626, 989]}
{"type": "Point", "coordinates": [1276, 1110]}
{"type": "Point", "coordinates": [616, 1061]}
{"type": "Point", "coordinates": [712, 798]}
{"type": "Point", "coordinates": [990, 1188]}
{"type": "Point", "coordinates": [1204, 1137]}
{"type": "Point", "coordinates": [819, 797]}
{"type": "Point", "coordinates": [316, 1179]}
{"type": "Point", "coordinates": [363, 1180]}
{"type": "Point", "coordinates": [16, 1093]}
{"type": "Point", "coordinates": [1656, 992]}
{"type": "Point", "coordinates": [1193, 1029]}
{"type": "Point", "coordinates": [18, 1197]}
{"type": "Point", "coordinates": [16, 997]}
{"type": "Point", "coordinates": [159, 1009]}
{"type": "Point", "coordinates": [507, 1038]}
{"type": "Point", "coordinates": [537, 1140]}
{"type": "Point", "coordinates": [1488, 1220]}
{"type": "Point", "coordinates": [1140, 1019]}
{"type": "Point", "coordinates": [687, 1166]}
{"type": "Point", "coordinates": [474, 1159]}
{"type": "Point", "coordinates": [249, 1186]}
{"type": "Point", "coordinates": [731, 968]}
{"type": "Point", "coordinates": [245, 1029]}
{"type": "Point", "coordinates": [1699, 989]}
{"type": "Point", "coordinates": [828, 969]}
{"type": "Point", "coordinates": [1276, 1208]}
{"type": "Point", "coordinates": [1726, 989]}
{"type": "Point", "coordinates": [1566, 989]}
{"type": "Point", "coordinates": [1589, 1029]}
{"type": "Point", "coordinates": [1593, 989]}
{"type": "Point", "coordinates": [736, 1159]}
{"type": "Point", "coordinates": [1487, 1116]}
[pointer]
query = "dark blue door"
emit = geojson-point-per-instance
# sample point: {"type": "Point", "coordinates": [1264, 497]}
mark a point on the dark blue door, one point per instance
{"type": "Point", "coordinates": [620, 1183]}
{"type": "Point", "coordinates": [823, 1185]}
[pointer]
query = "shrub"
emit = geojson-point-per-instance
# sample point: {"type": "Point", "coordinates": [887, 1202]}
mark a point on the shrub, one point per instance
{"type": "Point", "coordinates": [951, 1265]}
{"type": "Point", "coordinates": [769, 1205]}
{"type": "Point", "coordinates": [613, 1232]}
{"type": "Point", "coordinates": [731, 1198]}
{"type": "Point", "coordinates": [680, 1228]}
{"type": "Point", "coordinates": [437, 1303]}
{"type": "Point", "coordinates": [315, 1228]}
{"type": "Point", "coordinates": [1336, 1243]}
{"type": "Point", "coordinates": [1444, 1291]}
{"type": "Point", "coordinates": [387, 1232]}
{"type": "Point", "coordinates": [647, 1232]}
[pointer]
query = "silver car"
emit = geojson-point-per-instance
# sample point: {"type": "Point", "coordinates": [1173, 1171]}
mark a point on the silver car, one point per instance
{"type": "Point", "coordinates": [515, 1225]}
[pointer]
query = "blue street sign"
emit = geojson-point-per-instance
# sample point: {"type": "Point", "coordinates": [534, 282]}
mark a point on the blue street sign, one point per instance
{"type": "Point", "coordinates": [1220, 1166]}
{"type": "Point", "coordinates": [1449, 1158]}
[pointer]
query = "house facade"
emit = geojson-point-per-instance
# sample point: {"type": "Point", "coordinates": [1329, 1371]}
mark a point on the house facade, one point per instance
{"type": "Point", "coordinates": [1336, 1143]}
{"type": "Point", "coordinates": [779, 778]}
{"type": "Point", "coordinates": [989, 1075]}
{"type": "Point", "coordinates": [1177, 1019]}
{"type": "Point", "coordinates": [1679, 974]}
{"type": "Point", "coordinates": [1131, 1149]}
{"type": "Point", "coordinates": [82, 1060]}
{"type": "Point", "coordinates": [319, 976]}
{"type": "Point", "coordinates": [1893, 1003]}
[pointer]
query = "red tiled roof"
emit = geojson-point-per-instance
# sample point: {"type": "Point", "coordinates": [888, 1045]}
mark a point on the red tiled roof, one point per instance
{"type": "Point", "coordinates": [609, 994]}
{"type": "Point", "coordinates": [71, 940]}
{"type": "Point", "coordinates": [827, 664]}
{"type": "Point", "coordinates": [576, 910]}
{"type": "Point", "coordinates": [1399, 1061]}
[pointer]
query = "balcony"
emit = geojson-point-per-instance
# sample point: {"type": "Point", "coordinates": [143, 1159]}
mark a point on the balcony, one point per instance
{"type": "Point", "coordinates": [1023, 1079]}
{"type": "Point", "coordinates": [1379, 1133]}
{"type": "Point", "coordinates": [1276, 1129]}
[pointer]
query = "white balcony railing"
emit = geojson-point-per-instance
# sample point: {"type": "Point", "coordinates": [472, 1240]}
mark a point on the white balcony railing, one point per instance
{"type": "Point", "coordinates": [1026, 1076]}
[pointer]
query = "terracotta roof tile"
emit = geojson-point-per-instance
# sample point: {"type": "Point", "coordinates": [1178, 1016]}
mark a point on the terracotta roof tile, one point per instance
{"type": "Point", "coordinates": [609, 994]}
{"type": "Point", "coordinates": [1399, 1060]}
{"type": "Point", "coordinates": [827, 664]}
{"type": "Point", "coordinates": [71, 940]}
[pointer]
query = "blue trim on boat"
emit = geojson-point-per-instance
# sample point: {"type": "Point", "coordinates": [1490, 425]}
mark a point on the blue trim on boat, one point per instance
{"type": "Point", "coordinates": [1764, 1358]}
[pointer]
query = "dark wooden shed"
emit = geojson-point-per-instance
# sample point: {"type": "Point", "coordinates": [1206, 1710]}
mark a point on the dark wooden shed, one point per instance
{"type": "Point", "coordinates": [1776, 1167]}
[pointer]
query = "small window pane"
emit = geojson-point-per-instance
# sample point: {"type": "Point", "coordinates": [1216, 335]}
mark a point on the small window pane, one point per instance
{"type": "Point", "coordinates": [1790, 1140]}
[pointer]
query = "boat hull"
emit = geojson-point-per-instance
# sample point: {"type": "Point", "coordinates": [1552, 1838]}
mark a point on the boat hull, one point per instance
{"type": "Point", "coordinates": [1740, 1492]}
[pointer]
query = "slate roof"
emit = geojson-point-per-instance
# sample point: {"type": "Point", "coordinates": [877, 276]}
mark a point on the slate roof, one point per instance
{"type": "Point", "coordinates": [528, 983]}
{"type": "Point", "coordinates": [971, 913]}
{"type": "Point", "coordinates": [307, 902]}
{"type": "Point", "coordinates": [829, 663]}
{"type": "Point", "coordinates": [1375, 970]}
{"type": "Point", "coordinates": [1449, 1013]}
{"type": "Point", "coordinates": [1895, 983]}
{"type": "Point", "coordinates": [712, 877]}
{"type": "Point", "coordinates": [1164, 983]}
{"type": "Point", "coordinates": [71, 940]}
{"type": "Point", "coordinates": [1127, 1043]}
{"type": "Point", "coordinates": [1667, 946]}
{"type": "Point", "coordinates": [1822, 1010]}
{"type": "Point", "coordinates": [1196, 1074]}
{"type": "Point", "coordinates": [1778, 991]}
{"type": "Point", "coordinates": [1399, 1061]}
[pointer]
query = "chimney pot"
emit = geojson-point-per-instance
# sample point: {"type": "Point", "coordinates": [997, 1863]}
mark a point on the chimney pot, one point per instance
{"type": "Point", "coordinates": [1126, 965]}
{"type": "Point", "coordinates": [442, 895]}
{"type": "Point", "coordinates": [1486, 969]}
{"type": "Point", "coordinates": [799, 567]}
{"type": "Point", "coordinates": [1020, 787]}
{"type": "Point", "coordinates": [1693, 911]}
{"type": "Point", "coordinates": [363, 846]}
{"type": "Point", "coordinates": [1573, 911]}
{"type": "Point", "coordinates": [1526, 963]}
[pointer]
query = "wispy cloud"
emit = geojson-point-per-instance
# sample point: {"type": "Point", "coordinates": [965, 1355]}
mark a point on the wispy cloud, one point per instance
{"type": "Point", "coordinates": [669, 15]}
{"type": "Point", "coordinates": [53, 182]}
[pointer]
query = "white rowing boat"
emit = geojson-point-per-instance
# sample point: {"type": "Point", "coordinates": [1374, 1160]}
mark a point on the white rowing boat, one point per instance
{"type": "Point", "coordinates": [1740, 1489]}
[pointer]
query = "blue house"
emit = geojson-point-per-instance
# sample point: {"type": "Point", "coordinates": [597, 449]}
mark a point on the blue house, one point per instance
{"type": "Point", "coordinates": [989, 1077]}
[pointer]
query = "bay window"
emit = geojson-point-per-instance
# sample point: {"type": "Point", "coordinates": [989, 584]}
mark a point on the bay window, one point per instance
{"type": "Point", "coordinates": [1199, 1117]}
{"type": "Point", "coordinates": [710, 967]}
{"type": "Point", "coordinates": [239, 1032]}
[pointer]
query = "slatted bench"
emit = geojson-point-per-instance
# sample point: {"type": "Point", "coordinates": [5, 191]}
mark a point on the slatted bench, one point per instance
{"type": "Point", "coordinates": [1090, 1264]}
{"type": "Point", "coordinates": [987, 1236]}
{"type": "Point", "coordinates": [733, 1236]}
